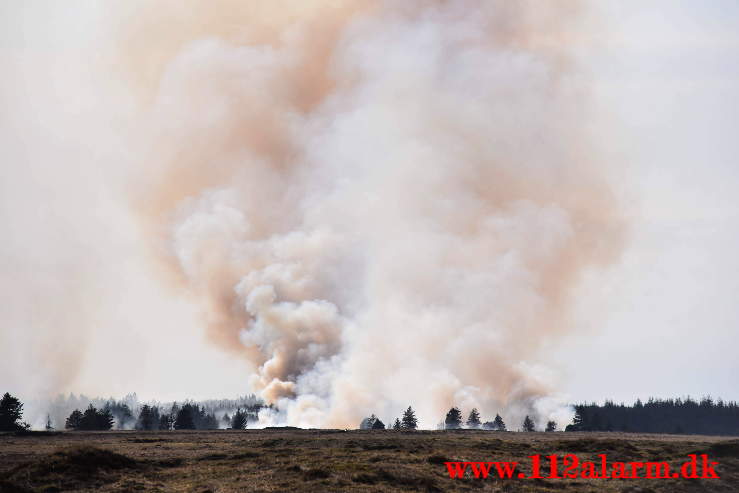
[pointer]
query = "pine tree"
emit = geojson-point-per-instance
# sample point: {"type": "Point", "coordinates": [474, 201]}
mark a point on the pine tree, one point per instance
{"type": "Point", "coordinates": [453, 419]}
{"type": "Point", "coordinates": [146, 419]}
{"type": "Point", "coordinates": [104, 420]}
{"type": "Point", "coordinates": [74, 421]}
{"type": "Point", "coordinates": [409, 419]}
{"type": "Point", "coordinates": [499, 423]}
{"type": "Point", "coordinates": [551, 426]}
{"type": "Point", "coordinates": [238, 422]}
{"type": "Point", "coordinates": [473, 421]}
{"type": "Point", "coordinates": [11, 412]}
{"type": "Point", "coordinates": [528, 424]}
{"type": "Point", "coordinates": [91, 419]}
{"type": "Point", "coordinates": [397, 425]}
{"type": "Point", "coordinates": [185, 419]}
{"type": "Point", "coordinates": [49, 426]}
{"type": "Point", "coordinates": [165, 422]}
{"type": "Point", "coordinates": [368, 422]}
{"type": "Point", "coordinates": [378, 425]}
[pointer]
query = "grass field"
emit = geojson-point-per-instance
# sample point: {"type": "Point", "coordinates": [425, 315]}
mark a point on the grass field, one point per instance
{"type": "Point", "coordinates": [334, 460]}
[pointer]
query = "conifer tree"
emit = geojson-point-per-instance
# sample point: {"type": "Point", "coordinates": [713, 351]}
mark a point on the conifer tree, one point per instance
{"type": "Point", "coordinates": [146, 419]}
{"type": "Point", "coordinates": [453, 419]}
{"type": "Point", "coordinates": [11, 412]}
{"type": "Point", "coordinates": [185, 419]}
{"type": "Point", "coordinates": [473, 421]}
{"type": "Point", "coordinates": [409, 419]}
{"type": "Point", "coordinates": [165, 422]}
{"type": "Point", "coordinates": [499, 424]}
{"type": "Point", "coordinates": [528, 424]}
{"type": "Point", "coordinates": [74, 421]}
{"type": "Point", "coordinates": [238, 422]}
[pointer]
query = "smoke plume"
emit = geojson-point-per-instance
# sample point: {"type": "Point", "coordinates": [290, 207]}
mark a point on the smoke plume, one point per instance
{"type": "Point", "coordinates": [383, 204]}
{"type": "Point", "coordinates": [375, 204]}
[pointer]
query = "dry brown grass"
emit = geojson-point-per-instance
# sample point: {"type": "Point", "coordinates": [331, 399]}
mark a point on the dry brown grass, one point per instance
{"type": "Point", "coordinates": [333, 460]}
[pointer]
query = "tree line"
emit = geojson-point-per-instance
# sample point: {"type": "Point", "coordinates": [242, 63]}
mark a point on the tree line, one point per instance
{"type": "Point", "coordinates": [452, 421]}
{"type": "Point", "coordinates": [189, 416]}
{"type": "Point", "coordinates": [678, 416]}
{"type": "Point", "coordinates": [126, 411]}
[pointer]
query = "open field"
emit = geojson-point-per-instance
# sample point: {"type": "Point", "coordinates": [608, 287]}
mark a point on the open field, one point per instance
{"type": "Point", "coordinates": [334, 460]}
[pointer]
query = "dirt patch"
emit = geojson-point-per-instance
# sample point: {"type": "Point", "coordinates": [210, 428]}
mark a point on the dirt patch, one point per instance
{"type": "Point", "coordinates": [595, 446]}
{"type": "Point", "coordinates": [213, 457]}
{"type": "Point", "coordinates": [245, 455]}
{"type": "Point", "coordinates": [724, 449]}
{"type": "Point", "coordinates": [406, 482]}
{"type": "Point", "coordinates": [65, 469]}
{"type": "Point", "coordinates": [380, 446]}
{"type": "Point", "coordinates": [84, 460]}
{"type": "Point", "coordinates": [10, 487]}
{"type": "Point", "coordinates": [438, 459]}
{"type": "Point", "coordinates": [313, 474]}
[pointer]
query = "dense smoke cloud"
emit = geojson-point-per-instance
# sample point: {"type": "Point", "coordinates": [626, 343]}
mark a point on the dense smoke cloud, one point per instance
{"type": "Point", "coordinates": [381, 206]}
{"type": "Point", "coordinates": [374, 204]}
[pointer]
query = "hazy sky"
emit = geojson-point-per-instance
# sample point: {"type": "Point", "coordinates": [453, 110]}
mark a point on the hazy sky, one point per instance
{"type": "Point", "coordinates": [670, 79]}
{"type": "Point", "coordinates": [662, 321]}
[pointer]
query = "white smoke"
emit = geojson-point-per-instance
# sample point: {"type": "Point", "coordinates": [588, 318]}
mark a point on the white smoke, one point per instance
{"type": "Point", "coordinates": [396, 216]}
{"type": "Point", "coordinates": [373, 204]}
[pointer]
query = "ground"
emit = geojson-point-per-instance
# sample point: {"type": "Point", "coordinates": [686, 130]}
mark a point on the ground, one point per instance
{"type": "Point", "coordinates": [335, 460]}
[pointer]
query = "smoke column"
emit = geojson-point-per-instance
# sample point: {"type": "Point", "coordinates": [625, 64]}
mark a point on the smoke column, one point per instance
{"type": "Point", "coordinates": [375, 204]}
{"type": "Point", "coordinates": [385, 204]}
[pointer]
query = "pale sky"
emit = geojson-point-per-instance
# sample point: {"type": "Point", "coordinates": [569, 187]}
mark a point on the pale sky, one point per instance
{"type": "Point", "coordinates": [670, 78]}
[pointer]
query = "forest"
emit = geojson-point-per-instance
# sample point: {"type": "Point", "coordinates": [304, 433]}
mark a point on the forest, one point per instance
{"type": "Point", "coordinates": [678, 416]}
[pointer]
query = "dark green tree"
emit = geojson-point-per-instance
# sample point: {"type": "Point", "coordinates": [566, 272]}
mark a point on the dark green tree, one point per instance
{"type": "Point", "coordinates": [207, 421]}
{"type": "Point", "coordinates": [91, 419]}
{"type": "Point", "coordinates": [378, 425]}
{"type": "Point", "coordinates": [238, 422]}
{"type": "Point", "coordinates": [409, 419]}
{"type": "Point", "coordinates": [74, 421]}
{"type": "Point", "coordinates": [368, 422]}
{"type": "Point", "coordinates": [185, 419]}
{"type": "Point", "coordinates": [499, 424]}
{"type": "Point", "coordinates": [121, 413]}
{"type": "Point", "coordinates": [49, 426]}
{"type": "Point", "coordinates": [528, 424]}
{"type": "Point", "coordinates": [397, 425]}
{"type": "Point", "coordinates": [551, 426]}
{"type": "Point", "coordinates": [165, 422]}
{"type": "Point", "coordinates": [453, 419]}
{"type": "Point", "coordinates": [11, 412]}
{"type": "Point", "coordinates": [148, 418]}
{"type": "Point", "coordinates": [473, 421]}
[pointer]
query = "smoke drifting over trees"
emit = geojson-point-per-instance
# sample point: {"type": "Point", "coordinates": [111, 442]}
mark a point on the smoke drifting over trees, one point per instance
{"type": "Point", "coordinates": [359, 198]}
{"type": "Point", "coordinates": [128, 413]}
{"type": "Point", "coordinates": [419, 169]}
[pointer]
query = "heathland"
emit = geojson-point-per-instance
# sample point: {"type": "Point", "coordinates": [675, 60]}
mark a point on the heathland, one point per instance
{"type": "Point", "coordinates": [294, 460]}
